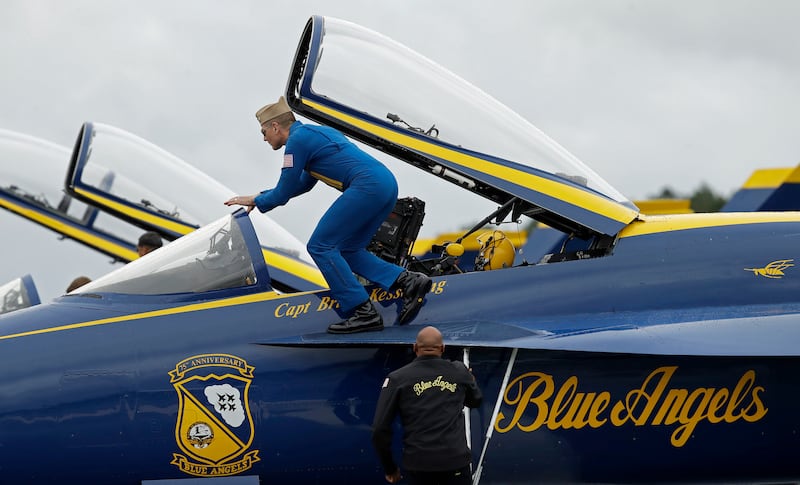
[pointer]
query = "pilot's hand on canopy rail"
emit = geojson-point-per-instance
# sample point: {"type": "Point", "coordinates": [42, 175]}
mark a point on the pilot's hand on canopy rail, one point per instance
{"type": "Point", "coordinates": [248, 201]}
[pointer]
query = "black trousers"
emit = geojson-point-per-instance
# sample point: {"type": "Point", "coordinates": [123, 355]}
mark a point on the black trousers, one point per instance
{"type": "Point", "coordinates": [462, 476]}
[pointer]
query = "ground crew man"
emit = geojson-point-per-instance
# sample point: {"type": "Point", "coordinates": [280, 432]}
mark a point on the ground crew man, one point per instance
{"type": "Point", "coordinates": [429, 394]}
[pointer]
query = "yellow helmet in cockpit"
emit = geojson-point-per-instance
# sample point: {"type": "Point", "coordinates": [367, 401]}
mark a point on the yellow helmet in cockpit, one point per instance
{"type": "Point", "coordinates": [496, 251]}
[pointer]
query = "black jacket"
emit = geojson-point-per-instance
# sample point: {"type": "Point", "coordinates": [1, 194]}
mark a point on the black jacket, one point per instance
{"type": "Point", "coordinates": [429, 395]}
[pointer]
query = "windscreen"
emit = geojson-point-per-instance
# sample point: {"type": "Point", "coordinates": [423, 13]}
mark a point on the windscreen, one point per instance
{"type": "Point", "coordinates": [213, 257]}
{"type": "Point", "coordinates": [13, 296]}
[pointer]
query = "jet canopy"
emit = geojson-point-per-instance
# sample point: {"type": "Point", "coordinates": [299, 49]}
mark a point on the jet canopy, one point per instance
{"type": "Point", "coordinates": [396, 100]}
{"type": "Point", "coordinates": [17, 294]}
{"type": "Point", "coordinates": [222, 255]}
{"type": "Point", "coordinates": [32, 186]}
{"type": "Point", "coordinates": [139, 181]}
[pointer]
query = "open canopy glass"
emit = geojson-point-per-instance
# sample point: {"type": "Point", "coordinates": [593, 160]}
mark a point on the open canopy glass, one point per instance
{"type": "Point", "coordinates": [398, 101]}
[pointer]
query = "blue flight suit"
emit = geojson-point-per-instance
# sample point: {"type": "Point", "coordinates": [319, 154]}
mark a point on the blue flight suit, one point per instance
{"type": "Point", "coordinates": [369, 193]}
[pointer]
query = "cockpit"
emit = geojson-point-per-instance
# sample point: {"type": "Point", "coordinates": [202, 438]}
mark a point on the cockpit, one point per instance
{"type": "Point", "coordinates": [17, 294]}
{"type": "Point", "coordinates": [137, 181]}
{"type": "Point", "coordinates": [399, 102]}
{"type": "Point", "coordinates": [222, 255]}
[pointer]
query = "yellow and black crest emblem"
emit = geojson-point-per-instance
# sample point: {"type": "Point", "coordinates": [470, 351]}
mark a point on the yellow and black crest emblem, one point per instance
{"type": "Point", "coordinates": [214, 428]}
{"type": "Point", "coordinates": [773, 269]}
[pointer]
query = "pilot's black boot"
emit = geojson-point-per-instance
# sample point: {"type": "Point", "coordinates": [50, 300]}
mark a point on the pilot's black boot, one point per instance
{"type": "Point", "coordinates": [415, 286]}
{"type": "Point", "coordinates": [365, 318]}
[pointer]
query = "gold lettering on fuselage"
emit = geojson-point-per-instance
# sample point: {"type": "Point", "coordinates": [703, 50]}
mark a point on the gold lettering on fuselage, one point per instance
{"type": "Point", "coordinates": [294, 310]}
{"type": "Point", "coordinates": [326, 303]}
{"type": "Point", "coordinates": [536, 402]}
{"type": "Point", "coordinates": [438, 287]}
{"type": "Point", "coordinates": [207, 360]}
{"type": "Point", "coordinates": [383, 295]}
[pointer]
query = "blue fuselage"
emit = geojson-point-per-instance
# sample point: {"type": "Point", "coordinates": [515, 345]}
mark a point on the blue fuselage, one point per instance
{"type": "Point", "coordinates": [646, 364]}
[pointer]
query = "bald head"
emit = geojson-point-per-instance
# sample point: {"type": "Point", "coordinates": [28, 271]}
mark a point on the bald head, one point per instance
{"type": "Point", "coordinates": [429, 342]}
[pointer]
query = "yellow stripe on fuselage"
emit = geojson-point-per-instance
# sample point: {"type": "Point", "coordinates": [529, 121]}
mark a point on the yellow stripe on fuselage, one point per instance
{"type": "Point", "coordinates": [73, 232]}
{"type": "Point", "coordinates": [680, 222]}
{"type": "Point", "coordinates": [295, 267]}
{"type": "Point", "coordinates": [238, 300]}
{"type": "Point", "coordinates": [581, 198]}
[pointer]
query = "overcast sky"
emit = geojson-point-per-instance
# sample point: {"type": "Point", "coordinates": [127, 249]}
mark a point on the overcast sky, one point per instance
{"type": "Point", "coordinates": [647, 93]}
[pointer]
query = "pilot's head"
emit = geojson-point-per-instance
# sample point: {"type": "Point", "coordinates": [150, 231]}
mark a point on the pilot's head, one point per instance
{"type": "Point", "coordinates": [149, 241]}
{"type": "Point", "coordinates": [78, 282]}
{"type": "Point", "coordinates": [275, 120]}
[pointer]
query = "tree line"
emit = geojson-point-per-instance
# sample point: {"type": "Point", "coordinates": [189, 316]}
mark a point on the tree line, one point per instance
{"type": "Point", "coordinates": [703, 199]}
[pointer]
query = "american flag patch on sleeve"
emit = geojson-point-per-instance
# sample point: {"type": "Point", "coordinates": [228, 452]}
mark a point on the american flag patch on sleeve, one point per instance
{"type": "Point", "coordinates": [288, 160]}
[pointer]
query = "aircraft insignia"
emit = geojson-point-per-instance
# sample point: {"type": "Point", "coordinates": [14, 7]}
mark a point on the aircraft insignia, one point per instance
{"type": "Point", "coordinates": [773, 269]}
{"type": "Point", "coordinates": [214, 428]}
{"type": "Point", "coordinates": [533, 400]}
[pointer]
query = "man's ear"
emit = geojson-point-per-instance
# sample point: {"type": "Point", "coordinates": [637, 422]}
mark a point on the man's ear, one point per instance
{"type": "Point", "coordinates": [442, 348]}
{"type": "Point", "coordinates": [415, 348]}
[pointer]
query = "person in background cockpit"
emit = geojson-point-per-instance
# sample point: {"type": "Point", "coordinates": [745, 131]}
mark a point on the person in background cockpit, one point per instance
{"type": "Point", "coordinates": [338, 244]}
{"type": "Point", "coordinates": [78, 282]}
{"type": "Point", "coordinates": [149, 241]}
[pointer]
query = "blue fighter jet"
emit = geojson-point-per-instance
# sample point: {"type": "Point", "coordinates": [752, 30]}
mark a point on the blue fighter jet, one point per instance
{"type": "Point", "coordinates": [664, 351]}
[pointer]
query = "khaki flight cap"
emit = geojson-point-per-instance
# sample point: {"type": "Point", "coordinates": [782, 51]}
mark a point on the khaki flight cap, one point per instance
{"type": "Point", "coordinates": [272, 111]}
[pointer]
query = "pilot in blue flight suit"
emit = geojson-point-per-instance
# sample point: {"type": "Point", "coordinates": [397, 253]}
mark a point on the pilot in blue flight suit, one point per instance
{"type": "Point", "coordinates": [338, 244]}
